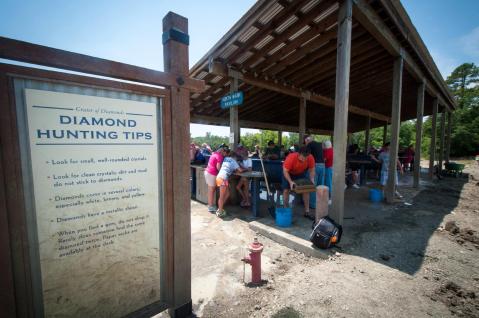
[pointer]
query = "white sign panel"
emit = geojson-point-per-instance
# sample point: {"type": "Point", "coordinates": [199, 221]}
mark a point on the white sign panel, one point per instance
{"type": "Point", "coordinates": [95, 181]}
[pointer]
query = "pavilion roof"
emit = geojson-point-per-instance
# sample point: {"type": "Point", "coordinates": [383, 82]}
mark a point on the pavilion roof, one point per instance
{"type": "Point", "coordinates": [284, 50]}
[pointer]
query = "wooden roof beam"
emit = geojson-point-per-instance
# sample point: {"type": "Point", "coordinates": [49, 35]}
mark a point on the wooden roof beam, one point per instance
{"type": "Point", "coordinates": [369, 19]}
{"type": "Point", "coordinates": [404, 24]}
{"type": "Point", "coordinates": [47, 56]}
{"type": "Point", "coordinates": [219, 68]}
{"type": "Point", "coordinates": [287, 11]}
{"type": "Point", "coordinates": [301, 22]}
{"type": "Point", "coordinates": [209, 120]}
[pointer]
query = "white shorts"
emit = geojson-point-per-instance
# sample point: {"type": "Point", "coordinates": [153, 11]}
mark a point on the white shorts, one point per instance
{"type": "Point", "coordinates": [210, 179]}
{"type": "Point", "coordinates": [384, 177]}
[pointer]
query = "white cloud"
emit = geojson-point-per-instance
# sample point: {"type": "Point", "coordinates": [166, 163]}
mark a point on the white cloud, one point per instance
{"type": "Point", "coordinates": [470, 43]}
{"type": "Point", "coordinates": [445, 63]}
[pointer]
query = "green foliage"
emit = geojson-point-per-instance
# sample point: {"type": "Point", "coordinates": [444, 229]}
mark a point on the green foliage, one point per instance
{"type": "Point", "coordinates": [212, 140]}
{"type": "Point", "coordinates": [249, 140]}
{"type": "Point", "coordinates": [407, 135]}
{"type": "Point", "coordinates": [464, 84]}
{"type": "Point", "coordinates": [462, 80]}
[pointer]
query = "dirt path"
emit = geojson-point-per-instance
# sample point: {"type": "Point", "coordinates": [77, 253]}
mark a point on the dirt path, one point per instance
{"type": "Point", "coordinates": [382, 273]}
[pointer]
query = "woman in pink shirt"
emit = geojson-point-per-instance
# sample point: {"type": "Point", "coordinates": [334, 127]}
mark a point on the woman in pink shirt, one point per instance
{"type": "Point", "coordinates": [328, 164]}
{"type": "Point", "coordinates": [214, 165]}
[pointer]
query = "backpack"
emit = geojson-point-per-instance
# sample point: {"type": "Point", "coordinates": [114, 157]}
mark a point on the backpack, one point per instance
{"type": "Point", "coordinates": [326, 233]}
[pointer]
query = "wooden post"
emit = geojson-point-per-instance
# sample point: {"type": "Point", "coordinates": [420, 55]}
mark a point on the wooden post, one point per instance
{"type": "Point", "coordinates": [441, 140]}
{"type": "Point", "coordinates": [448, 139]}
{"type": "Point", "coordinates": [280, 138]}
{"type": "Point", "coordinates": [395, 125]}
{"type": "Point", "coordinates": [343, 64]}
{"type": "Point", "coordinates": [432, 151]}
{"type": "Point", "coordinates": [302, 120]}
{"type": "Point", "coordinates": [417, 152]}
{"type": "Point", "coordinates": [385, 133]}
{"type": "Point", "coordinates": [234, 118]}
{"type": "Point", "coordinates": [366, 135]}
{"type": "Point", "coordinates": [175, 55]}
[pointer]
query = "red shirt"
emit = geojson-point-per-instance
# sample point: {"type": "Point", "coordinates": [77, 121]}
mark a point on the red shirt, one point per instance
{"type": "Point", "coordinates": [328, 157]}
{"type": "Point", "coordinates": [295, 166]}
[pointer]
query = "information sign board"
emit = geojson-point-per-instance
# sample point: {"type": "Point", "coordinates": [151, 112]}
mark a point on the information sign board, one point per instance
{"type": "Point", "coordinates": [232, 99]}
{"type": "Point", "coordinates": [94, 167]}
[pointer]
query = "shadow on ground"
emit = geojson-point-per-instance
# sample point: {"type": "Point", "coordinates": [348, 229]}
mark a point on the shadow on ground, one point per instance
{"type": "Point", "coordinates": [395, 235]}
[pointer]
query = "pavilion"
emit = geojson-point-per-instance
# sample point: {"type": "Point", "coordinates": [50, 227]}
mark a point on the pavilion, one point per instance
{"type": "Point", "coordinates": [325, 67]}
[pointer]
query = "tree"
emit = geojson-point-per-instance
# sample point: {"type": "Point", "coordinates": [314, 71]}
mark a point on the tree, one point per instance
{"type": "Point", "coordinates": [464, 85]}
{"type": "Point", "coordinates": [464, 78]}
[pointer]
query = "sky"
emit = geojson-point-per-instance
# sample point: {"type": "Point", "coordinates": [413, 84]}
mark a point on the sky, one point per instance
{"type": "Point", "coordinates": [130, 31]}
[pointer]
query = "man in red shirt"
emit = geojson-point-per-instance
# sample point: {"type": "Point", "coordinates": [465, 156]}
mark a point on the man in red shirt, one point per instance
{"type": "Point", "coordinates": [295, 167]}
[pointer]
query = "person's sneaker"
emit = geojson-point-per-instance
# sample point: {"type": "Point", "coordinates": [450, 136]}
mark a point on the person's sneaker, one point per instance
{"type": "Point", "coordinates": [220, 213]}
{"type": "Point", "coordinates": [355, 186]}
{"type": "Point", "coordinates": [398, 195]}
{"type": "Point", "coordinates": [211, 208]}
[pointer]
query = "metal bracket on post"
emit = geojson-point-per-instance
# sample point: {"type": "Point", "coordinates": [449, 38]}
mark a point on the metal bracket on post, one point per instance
{"type": "Point", "coordinates": [176, 35]}
{"type": "Point", "coordinates": [235, 74]}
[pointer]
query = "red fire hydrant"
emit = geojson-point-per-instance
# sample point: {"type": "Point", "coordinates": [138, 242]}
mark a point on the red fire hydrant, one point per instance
{"type": "Point", "coordinates": [254, 259]}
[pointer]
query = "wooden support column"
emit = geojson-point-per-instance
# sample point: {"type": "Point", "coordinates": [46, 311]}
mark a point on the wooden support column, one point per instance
{"type": "Point", "coordinates": [441, 140]}
{"type": "Point", "coordinates": [432, 151]}
{"type": "Point", "coordinates": [234, 118]}
{"type": "Point", "coordinates": [385, 133]}
{"type": "Point", "coordinates": [343, 64]}
{"type": "Point", "coordinates": [175, 55]}
{"type": "Point", "coordinates": [448, 139]}
{"type": "Point", "coordinates": [302, 119]}
{"type": "Point", "coordinates": [419, 116]}
{"type": "Point", "coordinates": [366, 135]}
{"type": "Point", "coordinates": [395, 125]}
{"type": "Point", "coordinates": [280, 138]}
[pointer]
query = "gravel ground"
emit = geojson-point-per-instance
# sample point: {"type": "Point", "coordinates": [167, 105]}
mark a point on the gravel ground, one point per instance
{"type": "Point", "coordinates": [421, 261]}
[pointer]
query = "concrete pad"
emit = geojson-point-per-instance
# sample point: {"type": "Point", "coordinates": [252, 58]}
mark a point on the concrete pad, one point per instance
{"type": "Point", "coordinates": [291, 241]}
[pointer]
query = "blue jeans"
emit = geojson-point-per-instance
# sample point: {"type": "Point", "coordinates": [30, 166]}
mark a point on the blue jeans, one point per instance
{"type": "Point", "coordinates": [329, 179]}
{"type": "Point", "coordinates": [318, 180]}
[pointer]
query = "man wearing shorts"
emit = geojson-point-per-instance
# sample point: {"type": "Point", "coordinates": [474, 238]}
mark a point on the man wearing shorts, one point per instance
{"type": "Point", "coordinates": [295, 167]}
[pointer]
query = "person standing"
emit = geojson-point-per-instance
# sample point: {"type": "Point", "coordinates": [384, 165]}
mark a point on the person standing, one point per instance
{"type": "Point", "coordinates": [384, 158]}
{"type": "Point", "coordinates": [409, 160]}
{"type": "Point", "coordinates": [243, 184]}
{"type": "Point", "coordinates": [272, 152]}
{"type": "Point", "coordinates": [316, 150]}
{"type": "Point", "coordinates": [328, 166]}
{"type": "Point", "coordinates": [295, 167]}
{"type": "Point", "coordinates": [211, 171]}
{"type": "Point", "coordinates": [228, 167]}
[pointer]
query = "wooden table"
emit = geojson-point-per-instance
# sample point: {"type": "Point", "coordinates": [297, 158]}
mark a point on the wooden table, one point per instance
{"type": "Point", "coordinates": [362, 166]}
{"type": "Point", "coordinates": [199, 189]}
{"type": "Point", "coordinates": [256, 177]}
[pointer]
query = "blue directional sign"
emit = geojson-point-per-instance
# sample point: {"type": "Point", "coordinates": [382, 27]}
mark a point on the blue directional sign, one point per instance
{"type": "Point", "coordinates": [232, 99]}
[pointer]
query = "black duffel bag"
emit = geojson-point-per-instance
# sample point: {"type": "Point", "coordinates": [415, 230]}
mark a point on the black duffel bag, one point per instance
{"type": "Point", "coordinates": [326, 233]}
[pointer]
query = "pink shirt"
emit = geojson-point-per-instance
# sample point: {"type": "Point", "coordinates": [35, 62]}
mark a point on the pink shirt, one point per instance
{"type": "Point", "coordinates": [214, 160]}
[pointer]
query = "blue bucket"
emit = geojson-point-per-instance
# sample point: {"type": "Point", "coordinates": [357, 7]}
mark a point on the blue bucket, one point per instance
{"type": "Point", "coordinates": [284, 217]}
{"type": "Point", "coordinates": [375, 195]}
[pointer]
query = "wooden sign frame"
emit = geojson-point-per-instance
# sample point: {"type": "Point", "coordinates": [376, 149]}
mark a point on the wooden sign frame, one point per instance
{"type": "Point", "coordinates": [16, 285]}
